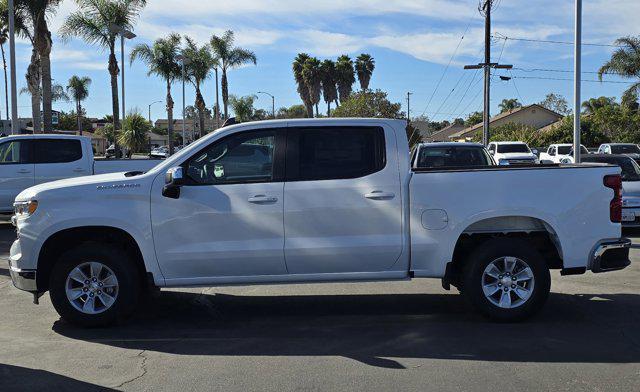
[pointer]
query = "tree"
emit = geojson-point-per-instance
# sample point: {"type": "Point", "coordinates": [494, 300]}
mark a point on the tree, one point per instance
{"type": "Point", "coordinates": [312, 76]}
{"type": "Point", "coordinates": [69, 121]}
{"type": "Point", "coordinates": [4, 38]}
{"type": "Point", "coordinates": [201, 62]}
{"type": "Point", "coordinates": [108, 132]}
{"type": "Point", "coordinates": [328, 81]}
{"type": "Point", "coordinates": [243, 107]}
{"type": "Point", "coordinates": [36, 13]}
{"type": "Point", "coordinates": [630, 100]}
{"type": "Point", "coordinates": [365, 64]}
{"type": "Point", "coordinates": [78, 87]}
{"type": "Point", "coordinates": [625, 62]}
{"type": "Point", "coordinates": [556, 103]}
{"type": "Point", "coordinates": [91, 22]}
{"type": "Point", "coordinates": [303, 90]}
{"type": "Point", "coordinates": [508, 105]}
{"type": "Point", "coordinates": [345, 77]}
{"type": "Point", "coordinates": [229, 57]}
{"type": "Point", "coordinates": [591, 105]}
{"type": "Point", "coordinates": [161, 61]}
{"type": "Point", "coordinates": [134, 132]}
{"type": "Point", "coordinates": [474, 118]}
{"type": "Point", "coordinates": [295, 111]}
{"type": "Point", "coordinates": [369, 104]}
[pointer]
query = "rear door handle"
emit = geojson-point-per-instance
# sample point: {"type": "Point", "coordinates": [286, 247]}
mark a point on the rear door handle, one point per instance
{"type": "Point", "coordinates": [79, 170]}
{"type": "Point", "coordinates": [380, 195]}
{"type": "Point", "coordinates": [262, 199]}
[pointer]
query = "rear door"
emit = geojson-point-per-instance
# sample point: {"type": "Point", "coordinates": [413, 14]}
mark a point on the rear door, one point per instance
{"type": "Point", "coordinates": [343, 202]}
{"type": "Point", "coordinates": [16, 170]}
{"type": "Point", "coordinates": [59, 158]}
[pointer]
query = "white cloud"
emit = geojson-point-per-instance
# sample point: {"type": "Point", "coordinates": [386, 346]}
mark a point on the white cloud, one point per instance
{"type": "Point", "coordinates": [324, 43]}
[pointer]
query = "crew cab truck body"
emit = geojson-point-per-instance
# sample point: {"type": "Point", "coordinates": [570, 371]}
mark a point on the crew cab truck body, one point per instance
{"type": "Point", "coordinates": [315, 201]}
{"type": "Point", "coordinates": [29, 160]}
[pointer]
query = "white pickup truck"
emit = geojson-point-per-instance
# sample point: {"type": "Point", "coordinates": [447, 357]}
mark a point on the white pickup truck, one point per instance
{"type": "Point", "coordinates": [28, 160]}
{"type": "Point", "coordinates": [512, 153]}
{"type": "Point", "coordinates": [290, 201]}
{"type": "Point", "coordinates": [560, 153]}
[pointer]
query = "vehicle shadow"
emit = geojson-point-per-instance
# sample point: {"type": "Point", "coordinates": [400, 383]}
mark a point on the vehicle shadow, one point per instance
{"type": "Point", "coordinates": [16, 378]}
{"type": "Point", "coordinates": [375, 328]}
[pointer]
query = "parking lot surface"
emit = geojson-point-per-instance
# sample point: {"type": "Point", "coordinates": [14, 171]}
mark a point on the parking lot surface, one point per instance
{"type": "Point", "coordinates": [409, 336]}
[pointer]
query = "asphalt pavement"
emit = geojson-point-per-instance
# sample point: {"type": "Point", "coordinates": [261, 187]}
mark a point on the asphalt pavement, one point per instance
{"type": "Point", "coordinates": [400, 336]}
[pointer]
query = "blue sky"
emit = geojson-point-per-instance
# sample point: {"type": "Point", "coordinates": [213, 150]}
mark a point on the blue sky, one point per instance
{"type": "Point", "coordinates": [412, 42]}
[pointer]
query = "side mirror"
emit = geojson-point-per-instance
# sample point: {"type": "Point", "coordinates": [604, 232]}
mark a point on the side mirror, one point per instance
{"type": "Point", "coordinates": [173, 180]}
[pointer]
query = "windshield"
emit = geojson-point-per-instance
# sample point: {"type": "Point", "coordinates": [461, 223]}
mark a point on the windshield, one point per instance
{"type": "Point", "coordinates": [625, 149]}
{"type": "Point", "coordinates": [453, 156]}
{"type": "Point", "coordinates": [510, 148]}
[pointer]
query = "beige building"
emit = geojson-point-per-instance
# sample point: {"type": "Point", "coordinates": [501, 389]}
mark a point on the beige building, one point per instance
{"type": "Point", "coordinates": [535, 116]}
{"type": "Point", "coordinates": [444, 134]}
{"type": "Point", "coordinates": [191, 126]}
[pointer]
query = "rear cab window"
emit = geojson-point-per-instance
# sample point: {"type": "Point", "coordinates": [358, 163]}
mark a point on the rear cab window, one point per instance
{"type": "Point", "coordinates": [452, 156]}
{"type": "Point", "coordinates": [57, 150]}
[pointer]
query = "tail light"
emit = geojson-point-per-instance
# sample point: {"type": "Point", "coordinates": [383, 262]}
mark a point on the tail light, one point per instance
{"type": "Point", "coordinates": [615, 207]}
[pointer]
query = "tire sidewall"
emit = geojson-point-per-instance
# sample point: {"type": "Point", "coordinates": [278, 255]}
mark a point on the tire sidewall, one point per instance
{"type": "Point", "coordinates": [121, 265]}
{"type": "Point", "coordinates": [492, 250]}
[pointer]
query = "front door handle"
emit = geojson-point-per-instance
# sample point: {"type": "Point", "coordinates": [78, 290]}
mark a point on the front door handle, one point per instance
{"type": "Point", "coordinates": [79, 170]}
{"type": "Point", "coordinates": [24, 171]}
{"type": "Point", "coordinates": [262, 199]}
{"type": "Point", "coordinates": [380, 195]}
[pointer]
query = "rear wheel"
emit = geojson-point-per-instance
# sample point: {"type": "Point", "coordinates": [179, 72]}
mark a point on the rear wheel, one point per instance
{"type": "Point", "coordinates": [506, 279]}
{"type": "Point", "coordinates": [94, 285]}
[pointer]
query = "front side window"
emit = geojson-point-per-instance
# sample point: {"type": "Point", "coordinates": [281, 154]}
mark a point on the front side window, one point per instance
{"type": "Point", "coordinates": [334, 153]}
{"type": "Point", "coordinates": [240, 158]}
{"type": "Point", "coordinates": [14, 152]}
{"type": "Point", "coordinates": [57, 150]}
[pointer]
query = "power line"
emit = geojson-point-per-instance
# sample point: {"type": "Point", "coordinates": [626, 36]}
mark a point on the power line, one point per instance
{"type": "Point", "coordinates": [544, 41]}
{"type": "Point", "coordinates": [516, 87]}
{"type": "Point", "coordinates": [563, 71]}
{"type": "Point", "coordinates": [583, 80]}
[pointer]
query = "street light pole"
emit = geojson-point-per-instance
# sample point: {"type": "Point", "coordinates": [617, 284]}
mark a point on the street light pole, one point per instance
{"type": "Point", "coordinates": [409, 107]}
{"type": "Point", "coordinates": [217, 101]}
{"type": "Point", "coordinates": [12, 65]}
{"type": "Point", "coordinates": [577, 74]}
{"type": "Point", "coordinates": [154, 102]}
{"type": "Point", "coordinates": [273, 103]}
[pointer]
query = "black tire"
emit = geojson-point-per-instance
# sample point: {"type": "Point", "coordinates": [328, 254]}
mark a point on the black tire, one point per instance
{"type": "Point", "coordinates": [116, 259]}
{"type": "Point", "coordinates": [492, 250]}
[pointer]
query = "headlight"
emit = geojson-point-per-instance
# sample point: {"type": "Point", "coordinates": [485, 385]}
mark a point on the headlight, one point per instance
{"type": "Point", "coordinates": [24, 209]}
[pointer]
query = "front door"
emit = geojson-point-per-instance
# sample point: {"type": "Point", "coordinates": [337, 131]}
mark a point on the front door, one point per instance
{"type": "Point", "coordinates": [228, 221]}
{"type": "Point", "coordinates": [343, 201]}
{"type": "Point", "coordinates": [16, 171]}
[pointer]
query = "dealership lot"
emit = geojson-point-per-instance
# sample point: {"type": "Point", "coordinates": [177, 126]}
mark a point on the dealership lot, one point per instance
{"type": "Point", "coordinates": [383, 336]}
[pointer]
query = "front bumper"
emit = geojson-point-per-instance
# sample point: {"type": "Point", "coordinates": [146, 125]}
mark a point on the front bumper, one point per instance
{"type": "Point", "coordinates": [611, 256]}
{"type": "Point", "coordinates": [23, 279]}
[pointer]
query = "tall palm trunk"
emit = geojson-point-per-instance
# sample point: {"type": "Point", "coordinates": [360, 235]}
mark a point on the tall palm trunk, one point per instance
{"type": "Point", "coordinates": [200, 104]}
{"type": "Point", "coordinates": [317, 110]}
{"type": "Point", "coordinates": [217, 109]}
{"type": "Point", "coordinates": [114, 71]}
{"type": "Point", "coordinates": [329, 109]}
{"type": "Point", "coordinates": [6, 87]}
{"type": "Point", "coordinates": [78, 114]}
{"type": "Point", "coordinates": [225, 94]}
{"type": "Point", "coordinates": [33, 84]}
{"type": "Point", "coordinates": [42, 41]}
{"type": "Point", "coordinates": [170, 117]}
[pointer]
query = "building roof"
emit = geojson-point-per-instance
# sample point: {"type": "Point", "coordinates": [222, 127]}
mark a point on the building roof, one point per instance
{"type": "Point", "coordinates": [445, 132]}
{"type": "Point", "coordinates": [503, 116]}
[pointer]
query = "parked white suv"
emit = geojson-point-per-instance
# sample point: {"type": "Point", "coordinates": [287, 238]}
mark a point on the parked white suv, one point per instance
{"type": "Point", "coordinates": [290, 201]}
{"type": "Point", "coordinates": [512, 153]}
{"type": "Point", "coordinates": [560, 153]}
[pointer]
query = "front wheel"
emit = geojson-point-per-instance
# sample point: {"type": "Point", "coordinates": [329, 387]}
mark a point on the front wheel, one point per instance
{"type": "Point", "coordinates": [94, 285]}
{"type": "Point", "coordinates": [506, 279]}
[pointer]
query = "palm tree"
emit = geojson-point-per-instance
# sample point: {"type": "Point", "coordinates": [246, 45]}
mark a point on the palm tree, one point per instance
{"type": "Point", "coordinates": [134, 132]}
{"type": "Point", "coordinates": [4, 37]}
{"type": "Point", "coordinates": [91, 23]}
{"type": "Point", "coordinates": [161, 61]}
{"type": "Point", "coordinates": [328, 78]}
{"type": "Point", "coordinates": [345, 76]}
{"type": "Point", "coordinates": [625, 62]}
{"type": "Point", "coordinates": [365, 64]}
{"type": "Point", "coordinates": [229, 57]}
{"type": "Point", "coordinates": [313, 79]}
{"type": "Point", "coordinates": [36, 13]}
{"type": "Point", "coordinates": [591, 105]}
{"type": "Point", "coordinates": [78, 87]}
{"type": "Point", "coordinates": [508, 105]}
{"type": "Point", "coordinates": [197, 71]}
{"type": "Point", "coordinates": [303, 90]}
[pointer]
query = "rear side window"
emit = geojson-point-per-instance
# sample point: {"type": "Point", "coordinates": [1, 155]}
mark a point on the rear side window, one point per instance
{"type": "Point", "coordinates": [15, 152]}
{"type": "Point", "coordinates": [57, 150]}
{"type": "Point", "coordinates": [330, 153]}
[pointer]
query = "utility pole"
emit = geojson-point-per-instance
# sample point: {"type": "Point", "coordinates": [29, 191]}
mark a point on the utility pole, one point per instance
{"type": "Point", "coordinates": [273, 103]}
{"type": "Point", "coordinates": [577, 74]}
{"type": "Point", "coordinates": [485, 8]}
{"type": "Point", "coordinates": [409, 107]}
{"type": "Point", "coordinates": [12, 66]}
{"type": "Point", "coordinates": [217, 111]}
{"type": "Point", "coordinates": [154, 102]}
